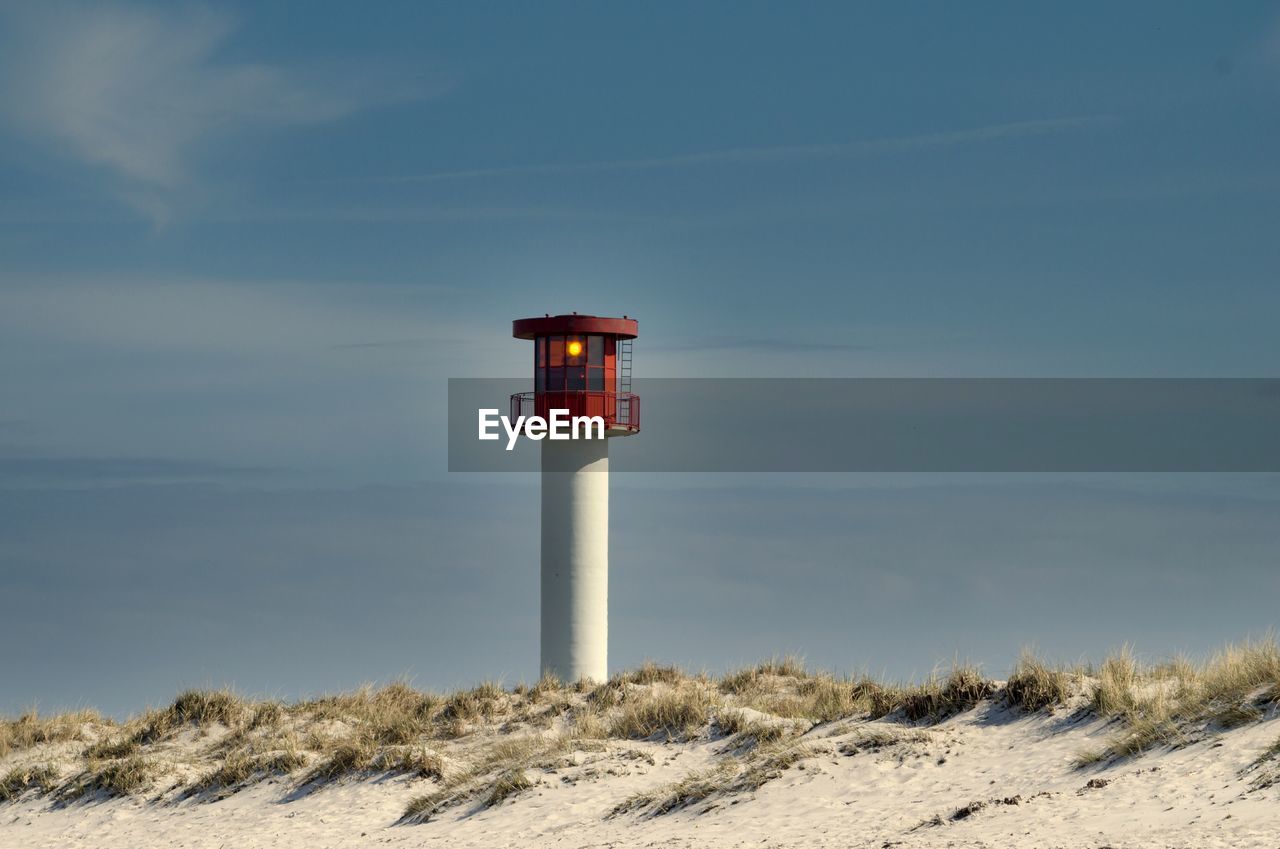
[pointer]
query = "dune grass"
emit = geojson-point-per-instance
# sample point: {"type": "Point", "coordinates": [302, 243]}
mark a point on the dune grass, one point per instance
{"type": "Point", "coordinates": [937, 698]}
{"type": "Point", "coordinates": [20, 779]}
{"type": "Point", "coordinates": [487, 744]}
{"type": "Point", "coordinates": [1266, 768]}
{"type": "Point", "coordinates": [114, 777]}
{"type": "Point", "coordinates": [678, 713]}
{"type": "Point", "coordinates": [494, 774]}
{"type": "Point", "coordinates": [1174, 703]}
{"type": "Point", "coordinates": [241, 768]}
{"type": "Point", "coordinates": [31, 729]}
{"type": "Point", "coordinates": [694, 787]}
{"type": "Point", "coordinates": [509, 783]}
{"type": "Point", "coordinates": [873, 740]}
{"type": "Point", "coordinates": [754, 731]}
{"type": "Point", "coordinates": [729, 777]}
{"type": "Point", "coordinates": [112, 747]}
{"type": "Point", "coordinates": [1035, 685]}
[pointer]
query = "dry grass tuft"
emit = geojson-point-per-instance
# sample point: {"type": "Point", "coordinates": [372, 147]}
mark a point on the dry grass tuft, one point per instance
{"type": "Point", "coordinates": [785, 688]}
{"type": "Point", "coordinates": [241, 768]}
{"type": "Point", "coordinates": [876, 698]}
{"type": "Point", "coordinates": [937, 699]}
{"type": "Point", "coordinates": [1089, 757]}
{"type": "Point", "coordinates": [508, 784]}
{"type": "Point", "coordinates": [20, 779]}
{"type": "Point", "coordinates": [355, 754]}
{"type": "Point", "coordinates": [30, 729]}
{"type": "Point", "coordinates": [364, 752]}
{"type": "Point", "coordinates": [1250, 670]}
{"type": "Point", "coordinates": [788, 666]}
{"type": "Point", "coordinates": [1116, 691]}
{"type": "Point", "coordinates": [728, 777]}
{"type": "Point", "coordinates": [754, 732]}
{"type": "Point", "coordinates": [114, 777]}
{"type": "Point", "coordinates": [1178, 702]}
{"type": "Point", "coordinates": [757, 678]}
{"type": "Point", "coordinates": [425, 808]}
{"type": "Point", "coordinates": [826, 699]}
{"type": "Point", "coordinates": [497, 773]}
{"type": "Point", "coordinates": [112, 747]}
{"type": "Point", "coordinates": [266, 715]}
{"type": "Point", "coordinates": [236, 769]}
{"type": "Point", "coordinates": [674, 714]}
{"type": "Point", "coordinates": [1034, 685]}
{"type": "Point", "coordinates": [1267, 770]}
{"type": "Point", "coordinates": [205, 707]}
{"type": "Point", "coordinates": [201, 708]}
{"type": "Point", "coordinates": [770, 764]}
{"type": "Point", "coordinates": [413, 760]}
{"type": "Point", "coordinates": [480, 703]}
{"type": "Point", "coordinates": [587, 723]}
{"type": "Point", "coordinates": [877, 739]}
{"type": "Point", "coordinates": [1235, 715]}
{"type": "Point", "coordinates": [651, 673]}
{"type": "Point", "coordinates": [694, 787]}
{"type": "Point", "coordinates": [391, 728]}
{"type": "Point", "coordinates": [547, 685]}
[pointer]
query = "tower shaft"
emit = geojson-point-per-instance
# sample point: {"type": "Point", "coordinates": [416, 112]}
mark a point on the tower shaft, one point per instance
{"type": "Point", "coordinates": [575, 559]}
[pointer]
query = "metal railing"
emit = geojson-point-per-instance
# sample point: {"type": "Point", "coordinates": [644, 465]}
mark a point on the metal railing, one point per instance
{"type": "Point", "coordinates": [620, 410]}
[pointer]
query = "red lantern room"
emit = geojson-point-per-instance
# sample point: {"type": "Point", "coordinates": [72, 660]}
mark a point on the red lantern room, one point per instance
{"type": "Point", "coordinates": [581, 363]}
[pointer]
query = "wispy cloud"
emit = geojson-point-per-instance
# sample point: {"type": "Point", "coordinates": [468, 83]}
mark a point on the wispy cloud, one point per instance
{"type": "Point", "coordinates": [389, 343]}
{"type": "Point", "coordinates": [170, 315]}
{"type": "Point", "coordinates": [778, 153]}
{"type": "Point", "coordinates": [779, 346]}
{"type": "Point", "coordinates": [136, 90]}
{"type": "Point", "coordinates": [246, 373]}
{"type": "Point", "coordinates": [58, 472]}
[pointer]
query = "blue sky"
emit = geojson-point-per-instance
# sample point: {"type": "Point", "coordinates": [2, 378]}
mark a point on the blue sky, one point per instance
{"type": "Point", "coordinates": [243, 246]}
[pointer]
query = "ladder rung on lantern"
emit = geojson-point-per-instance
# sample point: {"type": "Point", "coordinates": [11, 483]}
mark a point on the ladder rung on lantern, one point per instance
{"type": "Point", "coordinates": [624, 380]}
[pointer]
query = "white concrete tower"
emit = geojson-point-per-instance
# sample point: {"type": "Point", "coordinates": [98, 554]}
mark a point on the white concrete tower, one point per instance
{"type": "Point", "coordinates": [582, 365]}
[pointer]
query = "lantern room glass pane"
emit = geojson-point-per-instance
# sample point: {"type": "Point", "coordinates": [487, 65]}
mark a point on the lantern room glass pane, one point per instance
{"type": "Point", "coordinates": [575, 378]}
{"type": "Point", "coordinates": [540, 380]}
{"type": "Point", "coordinates": [540, 350]}
{"type": "Point", "coordinates": [595, 379]}
{"type": "Point", "coordinates": [575, 351]}
{"type": "Point", "coordinates": [556, 355]}
{"type": "Point", "coordinates": [555, 379]}
{"type": "Point", "coordinates": [595, 350]}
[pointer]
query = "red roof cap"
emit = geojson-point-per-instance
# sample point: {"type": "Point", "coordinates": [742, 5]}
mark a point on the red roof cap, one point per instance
{"type": "Point", "coordinates": [530, 328]}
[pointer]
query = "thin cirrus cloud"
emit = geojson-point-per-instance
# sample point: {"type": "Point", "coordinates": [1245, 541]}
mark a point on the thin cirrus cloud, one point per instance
{"type": "Point", "coordinates": [76, 472]}
{"type": "Point", "coordinates": [136, 91]}
{"type": "Point", "coordinates": [215, 317]}
{"type": "Point", "coordinates": [776, 153]}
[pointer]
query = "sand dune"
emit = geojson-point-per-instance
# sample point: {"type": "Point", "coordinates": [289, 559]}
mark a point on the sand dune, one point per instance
{"type": "Point", "coordinates": [993, 774]}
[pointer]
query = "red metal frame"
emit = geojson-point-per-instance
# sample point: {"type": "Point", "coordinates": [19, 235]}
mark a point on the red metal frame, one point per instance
{"type": "Point", "coordinates": [553, 325]}
{"type": "Point", "coordinates": [620, 410]}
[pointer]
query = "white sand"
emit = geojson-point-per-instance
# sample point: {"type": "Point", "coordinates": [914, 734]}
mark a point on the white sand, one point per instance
{"type": "Point", "coordinates": [1197, 796]}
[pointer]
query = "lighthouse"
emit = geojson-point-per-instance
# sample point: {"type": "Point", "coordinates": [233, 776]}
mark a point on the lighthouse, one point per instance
{"type": "Point", "coordinates": [581, 365]}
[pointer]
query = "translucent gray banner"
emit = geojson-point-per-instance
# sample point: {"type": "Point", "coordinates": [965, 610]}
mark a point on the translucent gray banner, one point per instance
{"type": "Point", "coordinates": [912, 425]}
